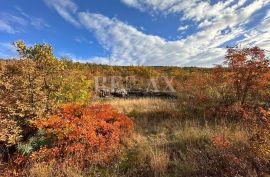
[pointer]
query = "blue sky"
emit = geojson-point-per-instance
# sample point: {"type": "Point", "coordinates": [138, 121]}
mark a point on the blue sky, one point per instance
{"type": "Point", "coordinates": [136, 32]}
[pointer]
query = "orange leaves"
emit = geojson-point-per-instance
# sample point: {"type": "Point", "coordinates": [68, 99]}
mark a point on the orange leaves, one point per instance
{"type": "Point", "coordinates": [88, 130]}
{"type": "Point", "coordinates": [220, 141]}
{"type": "Point", "coordinates": [249, 68]}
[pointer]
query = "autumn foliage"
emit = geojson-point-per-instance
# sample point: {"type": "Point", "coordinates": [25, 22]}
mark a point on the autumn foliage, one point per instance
{"type": "Point", "coordinates": [84, 133]}
{"type": "Point", "coordinates": [10, 133]}
{"type": "Point", "coordinates": [218, 125]}
{"type": "Point", "coordinates": [248, 71]}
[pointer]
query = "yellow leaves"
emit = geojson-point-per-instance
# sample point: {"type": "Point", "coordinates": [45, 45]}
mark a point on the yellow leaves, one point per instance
{"type": "Point", "coordinates": [75, 88]}
{"type": "Point", "coordinates": [10, 133]}
{"type": "Point", "coordinates": [21, 47]}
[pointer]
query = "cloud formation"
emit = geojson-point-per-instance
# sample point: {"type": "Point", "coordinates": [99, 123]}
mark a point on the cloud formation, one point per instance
{"type": "Point", "coordinates": [259, 36]}
{"type": "Point", "coordinates": [216, 24]}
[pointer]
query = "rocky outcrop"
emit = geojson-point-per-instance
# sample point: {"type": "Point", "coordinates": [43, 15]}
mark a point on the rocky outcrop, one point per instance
{"type": "Point", "coordinates": [104, 92]}
{"type": "Point", "coordinates": [121, 92]}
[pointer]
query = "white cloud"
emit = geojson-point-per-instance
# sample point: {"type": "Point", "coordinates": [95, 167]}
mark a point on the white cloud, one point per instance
{"type": "Point", "coordinates": [125, 42]}
{"type": "Point", "coordinates": [65, 8]}
{"type": "Point", "coordinates": [216, 23]}
{"type": "Point", "coordinates": [182, 28]}
{"type": "Point", "coordinates": [129, 46]}
{"type": "Point", "coordinates": [202, 12]}
{"type": "Point", "coordinates": [192, 9]}
{"type": "Point", "coordinates": [258, 36]}
{"type": "Point", "coordinates": [100, 60]}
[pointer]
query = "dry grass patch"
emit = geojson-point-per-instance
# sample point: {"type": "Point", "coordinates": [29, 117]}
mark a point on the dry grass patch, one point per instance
{"type": "Point", "coordinates": [142, 104]}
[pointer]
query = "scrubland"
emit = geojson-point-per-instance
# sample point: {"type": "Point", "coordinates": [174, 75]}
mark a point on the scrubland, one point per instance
{"type": "Point", "coordinates": [165, 143]}
{"type": "Point", "coordinates": [53, 124]}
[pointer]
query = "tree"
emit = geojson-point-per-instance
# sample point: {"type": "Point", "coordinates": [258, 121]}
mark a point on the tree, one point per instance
{"type": "Point", "coordinates": [27, 85]}
{"type": "Point", "coordinates": [19, 95]}
{"type": "Point", "coordinates": [46, 66]}
{"type": "Point", "coordinates": [34, 84]}
{"type": "Point", "coordinates": [75, 88]}
{"type": "Point", "coordinates": [248, 68]}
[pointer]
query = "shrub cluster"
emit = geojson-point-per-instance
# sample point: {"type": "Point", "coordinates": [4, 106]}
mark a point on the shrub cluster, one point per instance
{"type": "Point", "coordinates": [84, 134]}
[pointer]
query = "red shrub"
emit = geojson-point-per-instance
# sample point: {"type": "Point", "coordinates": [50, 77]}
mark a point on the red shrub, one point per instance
{"type": "Point", "coordinates": [84, 134]}
{"type": "Point", "coordinates": [220, 141]}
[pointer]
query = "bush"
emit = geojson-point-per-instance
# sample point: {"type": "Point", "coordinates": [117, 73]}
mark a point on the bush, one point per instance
{"type": "Point", "coordinates": [231, 161]}
{"type": "Point", "coordinates": [84, 134]}
{"type": "Point", "coordinates": [259, 128]}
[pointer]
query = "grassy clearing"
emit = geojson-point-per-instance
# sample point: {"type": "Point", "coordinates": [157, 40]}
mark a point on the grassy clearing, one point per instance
{"type": "Point", "coordinates": [142, 104]}
{"type": "Point", "coordinates": [164, 140]}
{"type": "Point", "coordinates": [164, 143]}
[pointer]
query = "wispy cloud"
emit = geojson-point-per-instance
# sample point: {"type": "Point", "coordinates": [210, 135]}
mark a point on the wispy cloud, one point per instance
{"type": "Point", "coordinates": [5, 27]}
{"type": "Point", "coordinates": [12, 24]}
{"type": "Point", "coordinates": [81, 39]}
{"type": "Point", "coordinates": [259, 36]}
{"type": "Point", "coordinates": [65, 8]}
{"type": "Point", "coordinates": [37, 23]}
{"type": "Point", "coordinates": [128, 45]}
